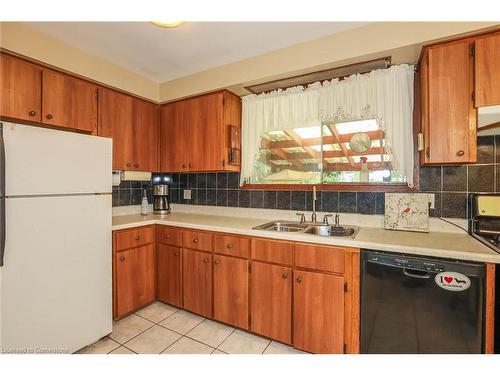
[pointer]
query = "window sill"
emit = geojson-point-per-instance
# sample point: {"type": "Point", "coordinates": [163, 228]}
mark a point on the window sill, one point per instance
{"type": "Point", "coordinates": [352, 186]}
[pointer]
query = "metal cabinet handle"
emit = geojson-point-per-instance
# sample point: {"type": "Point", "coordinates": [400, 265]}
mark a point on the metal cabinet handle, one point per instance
{"type": "Point", "coordinates": [195, 240]}
{"type": "Point", "coordinates": [460, 153]}
{"type": "Point", "coordinates": [168, 235]}
{"type": "Point", "coordinates": [49, 116]}
{"type": "Point", "coordinates": [176, 253]}
{"type": "Point", "coordinates": [229, 245]}
{"type": "Point", "coordinates": [122, 258]}
{"type": "Point", "coordinates": [205, 260]}
{"type": "Point", "coordinates": [32, 113]}
{"type": "Point", "coordinates": [190, 165]}
{"type": "Point", "coordinates": [284, 276]}
{"type": "Point", "coordinates": [183, 165]}
{"type": "Point", "coordinates": [217, 261]}
{"type": "Point", "coordinates": [299, 279]}
{"type": "Point", "coordinates": [129, 164]}
{"type": "Point", "coordinates": [137, 238]}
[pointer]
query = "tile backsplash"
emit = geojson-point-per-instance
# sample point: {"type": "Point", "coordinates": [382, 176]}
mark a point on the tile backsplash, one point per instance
{"type": "Point", "coordinates": [450, 184]}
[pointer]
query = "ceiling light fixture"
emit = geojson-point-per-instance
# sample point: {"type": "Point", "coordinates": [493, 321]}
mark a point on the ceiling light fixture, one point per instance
{"type": "Point", "coordinates": [166, 24]}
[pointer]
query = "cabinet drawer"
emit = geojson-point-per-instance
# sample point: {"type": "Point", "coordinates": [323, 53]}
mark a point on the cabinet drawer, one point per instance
{"type": "Point", "coordinates": [134, 237]}
{"type": "Point", "coordinates": [231, 245]}
{"type": "Point", "coordinates": [197, 240]}
{"type": "Point", "coordinates": [272, 251]}
{"type": "Point", "coordinates": [324, 258]}
{"type": "Point", "coordinates": [169, 235]}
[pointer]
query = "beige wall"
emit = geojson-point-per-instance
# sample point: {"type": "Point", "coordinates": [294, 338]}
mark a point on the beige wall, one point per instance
{"type": "Point", "coordinates": [26, 41]}
{"type": "Point", "coordinates": [401, 40]}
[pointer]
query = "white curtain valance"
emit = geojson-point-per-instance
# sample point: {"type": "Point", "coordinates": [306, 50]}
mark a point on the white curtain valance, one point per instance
{"type": "Point", "coordinates": [385, 95]}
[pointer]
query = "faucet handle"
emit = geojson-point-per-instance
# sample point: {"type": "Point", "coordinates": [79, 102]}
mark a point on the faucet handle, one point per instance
{"type": "Point", "coordinates": [325, 218]}
{"type": "Point", "coordinates": [302, 217]}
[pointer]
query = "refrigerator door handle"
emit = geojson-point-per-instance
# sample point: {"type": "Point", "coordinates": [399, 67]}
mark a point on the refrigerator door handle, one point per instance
{"type": "Point", "coordinates": [2, 196]}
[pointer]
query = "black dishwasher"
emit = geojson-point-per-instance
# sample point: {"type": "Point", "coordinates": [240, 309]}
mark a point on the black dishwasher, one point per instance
{"type": "Point", "coordinates": [412, 304]}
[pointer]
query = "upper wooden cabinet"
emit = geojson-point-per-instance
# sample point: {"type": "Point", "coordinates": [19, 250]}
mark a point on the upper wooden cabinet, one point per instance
{"type": "Point", "coordinates": [20, 89]}
{"type": "Point", "coordinates": [197, 134]}
{"type": "Point", "coordinates": [133, 125]}
{"type": "Point", "coordinates": [487, 70]}
{"type": "Point", "coordinates": [448, 114]}
{"type": "Point", "coordinates": [68, 102]}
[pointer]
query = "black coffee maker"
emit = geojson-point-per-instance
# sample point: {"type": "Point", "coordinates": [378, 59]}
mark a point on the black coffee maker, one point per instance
{"type": "Point", "coordinates": [161, 199]}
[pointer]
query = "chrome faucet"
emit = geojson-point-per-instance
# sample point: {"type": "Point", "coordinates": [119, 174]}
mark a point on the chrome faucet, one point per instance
{"type": "Point", "coordinates": [337, 219]}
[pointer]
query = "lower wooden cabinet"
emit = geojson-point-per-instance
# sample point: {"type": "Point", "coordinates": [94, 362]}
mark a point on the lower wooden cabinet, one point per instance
{"type": "Point", "coordinates": [318, 312]}
{"type": "Point", "coordinates": [135, 278]}
{"type": "Point", "coordinates": [271, 301]}
{"type": "Point", "coordinates": [169, 273]}
{"type": "Point", "coordinates": [197, 282]}
{"type": "Point", "coordinates": [231, 290]}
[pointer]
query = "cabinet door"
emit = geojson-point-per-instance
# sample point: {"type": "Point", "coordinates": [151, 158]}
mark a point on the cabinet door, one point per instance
{"type": "Point", "coordinates": [318, 308]}
{"type": "Point", "coordinates": [135, 278]}
{"type": "Point", "coordinates": [271, 301]}
{"type": "Point", "coordinates": [20, 89]}
{"type": "Point", "coordinates": [145, 136]}
{"type": "Point", "coordinates": [206, 133]}
{"type": "Point", "coordinates": [174, 135]}
{"type": "Point", "coordinates": [231, 290]}
{"type": "Point", "coordinates": [487, 64]}
{"type": "Point", "coordinates": [169, 268]}
{"type": "Point", "coordinates": [68, 102]}
{"type": "Point", "coordinates": [197, 282]}
{"type": "Point", "coordinates": [115, 121]}
{"type": "Point", "coordinates": [452, 119]}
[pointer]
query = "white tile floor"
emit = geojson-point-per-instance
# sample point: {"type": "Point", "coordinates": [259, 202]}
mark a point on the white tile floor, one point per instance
{"type": "Point", "coordinates": [160, 328]}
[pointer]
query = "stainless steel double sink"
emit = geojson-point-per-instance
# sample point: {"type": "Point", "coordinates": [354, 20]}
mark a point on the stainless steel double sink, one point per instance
{"type": "Point", "coordinates": [317, 229]}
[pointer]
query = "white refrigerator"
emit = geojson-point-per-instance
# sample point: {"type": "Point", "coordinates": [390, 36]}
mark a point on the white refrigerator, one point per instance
{"type": "Point", "coordinates": [55, 239]}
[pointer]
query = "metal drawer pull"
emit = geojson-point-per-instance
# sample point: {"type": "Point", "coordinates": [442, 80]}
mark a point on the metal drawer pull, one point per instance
{"type": "Point", "coordinates": [176, 253]}
{"type": "Point", "coordinates": [229, 245]}
{"type": "Point", "coordinates": [205, 260]}
{"type": "Point", "coordinates": [217, 261]}
{"type": "Point", "coordinates": [137, 238]}
{"type": "Point", "coordinates": [122, 258]}
{"type": "Point", "coordinates": [49, 116]}
{"type": "Point", "coordinates": [299, 279]}
{"type": "Point", "coordinates": [128, 164]}
{"type": "Point", "coordinates": [32, 113]}
{"type": "Point", "coordinates": [285, 276]}
{"type": "Point", "coordinates": [460, 153]}
{"type": "Point", "coordinates": [168, 235]}
{"type": "Point", "coordinates": [195, 240]}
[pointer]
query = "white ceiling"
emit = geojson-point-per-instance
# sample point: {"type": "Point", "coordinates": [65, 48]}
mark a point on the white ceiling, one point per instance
{"type": "Point", "coordinates": [165, 54]}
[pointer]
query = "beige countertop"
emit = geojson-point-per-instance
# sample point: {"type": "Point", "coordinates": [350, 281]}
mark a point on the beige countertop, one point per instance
{"type": "Point", "coordinates": [454, 245]}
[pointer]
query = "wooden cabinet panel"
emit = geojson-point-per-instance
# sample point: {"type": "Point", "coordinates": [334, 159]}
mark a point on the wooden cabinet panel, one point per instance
{"type": "Point", "coordinates": [197, 282]}
{"type": "Point", "coordinates": [115, 121]}
{"type": "Point", "coordinates": [134, 237]}
{"type": "Point", "coordinates": [169, 235]}
{"type": "Point", "coordinates": [324, 258]}
{"type": "Point", "coordinates": [135, 279]}
{"type": "Point", "coordinates": [487, 70]}
{"type": "Point", "coordinates": [271, 301]}
{"type": "Point", "coordinates": [232, 245]}
{"type": "Point", "coordinates": [169, 274]}
{"type": "Point", "coordinates": [272, 251]}
{"type": "Point", "coordinates": [145, 136]}
{"type": "Point", "coordinates": [68, 102]}
{"type": "Point", "coordinates": [174, 137]}
{"type": "Point", "coordinates": [451, 136]}
{"type": "Point", "coordinates": [197, 240]}
{"type": "Point", "coordinates": [231, 290]}
{"type": "Point", "coordinates": [318, 308]}
{"type": "Point", "coordinates": [20, 89]}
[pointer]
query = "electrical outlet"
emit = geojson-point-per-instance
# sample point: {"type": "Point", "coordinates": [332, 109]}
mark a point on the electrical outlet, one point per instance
{"type": "Point", "coordinates": [432, 200]}
{"type": "Point", "coordinates": [187, 194]}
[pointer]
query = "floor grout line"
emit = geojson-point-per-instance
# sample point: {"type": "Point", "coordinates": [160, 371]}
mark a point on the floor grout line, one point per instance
{"type": "Point", "coordinates": [270, 341]}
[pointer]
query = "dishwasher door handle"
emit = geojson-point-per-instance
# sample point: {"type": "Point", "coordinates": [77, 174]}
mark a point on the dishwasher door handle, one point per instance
{"type": "Point", "coordinates": [418, 275]}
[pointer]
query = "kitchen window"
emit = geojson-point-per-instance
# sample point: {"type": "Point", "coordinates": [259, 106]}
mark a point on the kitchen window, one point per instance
{"type": "Point", "coordinates": [332, 153]}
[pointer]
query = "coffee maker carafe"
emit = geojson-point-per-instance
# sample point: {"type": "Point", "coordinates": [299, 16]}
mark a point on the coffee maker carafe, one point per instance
{"type": "Point", "coordinates": [161, 200]}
